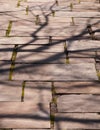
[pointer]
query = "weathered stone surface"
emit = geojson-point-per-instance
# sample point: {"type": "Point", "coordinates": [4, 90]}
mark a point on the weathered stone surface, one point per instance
{"type": "Point", "coordinates": [33, 46]}
{"type": "Point", "coordinates": [39, 92]}
{"type": "Point", "coordinates": [81, 60]}
{"type": "Point", "coordinates": [23, 40]}
{"type": "Point", "coordinates": [83, 45]}
{"type": "Point", "coordinates": [55, 72]}
{"type": "Point", "coordinates": [40, 57]}
{"type": "Point", "coordinates": [54, 28]}
{"type": "Point", "coordinates": [77, 87]}
{"type": "Point", "coordinates": [65, 121]}
{"type": "Point", "coordinates": [75, 14]}
{"type": "Point", "coordinates": [57, 46]}
{"type": "Point", "coordinates": [6, 52]}
{"type": "Point", "coordinates": [24, 115]}
{"type": "Point", "coordinates": [78, 103]}
{"type": "Point", "coordinates": [8, 90]}
{"type": "Point", "coordinates": [86, 6]}
{"type": "Point", "coordinates": [81, 54]}
{"type": "Point", "coordinates": [7, 6]}
{"type": "Point", "coordinates": [4, 70]}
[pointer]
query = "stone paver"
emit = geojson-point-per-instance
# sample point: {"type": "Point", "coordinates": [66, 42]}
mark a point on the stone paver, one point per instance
{"type": "Point", "coordinates": [55, 72]}
{"type": "Point", "coordinates": [82, 45]}
{"type": "Point", "coordinates": [24, 40]}
{"type": "Point", "coordinates": [81, 14]}
{"type": "Point", "coordinates": [56, 47]}
{"type": "Point", "coordinates": [24, 115]}
{"type": "Point", "coordinates": [54, 27]}
{"type": "Point", "coordinates": [77, 87]}
{"type": "Point", "coordinates": [77, 121]}
{"type": "Point", "coordinates": [86, 6]}
{"type": "Point", "coordinates": [84, 56]}
{"type": "Point", "coordinates": [81, 53]}
{"type": "Point", "coordinates": [28, 101]}
{"type": "Point", "coordinates": [82, 103]}
{"type": "Point", "coordinates": [81, 60]}
{"type": "Point", "coordinates": [38, 92]}
{"type": "Point", "coordinates": [8, 90]}
{"type": "Point", "coordinates": [41, 57]}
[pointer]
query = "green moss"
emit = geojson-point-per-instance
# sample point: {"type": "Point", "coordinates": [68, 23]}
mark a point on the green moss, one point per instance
{"type": "Point", "coordinates": [13, 58]}
{"type": "Point", "coordinates": [71, 6]}
{"type": "Point", "coordinates": [72, 18]}
{"type": "Point", "coordinates": [11, 71]}
{"type": "Point", "coordinates": [5, 128]}
{"type": "Point", "coordinates": [9, 29]}
{"type": "Point", "coordinates": [67, 61]}
{"type": "Point", "coordinates": [7, 33]}
{"type": "Point", "coordinates": [27, 10]}
{"type": "Point", "coordinates": [98, 74]}
{"type": "Point", "coordinates": [54, 97]}
{"type": "Point", "coordinates": [18, 3]}
{"type": "Point", "coordinates": [53, 88]}
{"type": "Point", "coordinates": [37, 21]}
{"type": "Point", "coordinates": [67, 58]}
{"type": "Point", "coordinates": [79, 1]}
{"type": "Point", "coordinates": [52, 119]}
{"type": "Point", "coordinates": [65, 46]}
{"type": "Point", "coordinates": [23, 91]}
{"type": "Point", "coordinates": [53, 13]}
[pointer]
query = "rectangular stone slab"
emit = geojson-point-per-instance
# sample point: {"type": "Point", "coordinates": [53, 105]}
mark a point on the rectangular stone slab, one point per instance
{"type": "Point", "coordinates": [41, 57]}
{"type": "Point", "coordinates": [50, 31]}
{"type": "Point", "coordinates": [83, 45]}
{"type": "Point", "coordinates": [65, 121]}
{"type": "Point", "coordinates": [79, 7]}
{"type": "Point", "coordinates": [23, 40]}
{"type": "Point", "coordinates": [81, 60]}
{"type": "Point", "coordinates": [39, 92]}
{"type": "Point", "coordinates": [82, 54]}
{"type": "Point", "coordinates": [77, 87]}
{"type": "Point", "coordinates": [53, 28]}
{"type": "Point", "coordinates": [6, 52]}
{"type": "Point", "coordinates": [86, 7]}
{"type": "Point", "coordinates": [24, 115]}
{"type": "Point", "coordinates": [75, 14]}
{"type": "Point", "coordinates": [78, 21]}
{"type": "Point", "coordinates": [10, 90]}
{"type": "Point", "coordinates": [55, 72]}
{"type": "Point", "coordinates": [56, 47]}
{"type": "Point", "coordinates": [78, 103]}
{"type": "Point", "coordinates": [85, 21]}
{"type": "Point", "coordinates": [62, 31]}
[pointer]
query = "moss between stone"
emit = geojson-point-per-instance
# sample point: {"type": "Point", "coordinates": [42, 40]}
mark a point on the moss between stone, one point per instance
{"type": "Point", "coordinates": [27, 10]}
{"type": "Point", "coordinates": [13, 58]}
{"type": "Point", "coordinates": [66, 52]}
{"type": "Point", "coordinates": [9, 29]}
{"type": "Point", "coordinates": [98, 74]}
{"type": "Point", "coordinates": [23, 91]}
{"type": "Point", "coordinates": [18, 3]}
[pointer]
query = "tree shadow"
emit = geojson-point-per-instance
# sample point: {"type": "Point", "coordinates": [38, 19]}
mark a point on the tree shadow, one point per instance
{"type": "Point", "coordinates": [51, 59]}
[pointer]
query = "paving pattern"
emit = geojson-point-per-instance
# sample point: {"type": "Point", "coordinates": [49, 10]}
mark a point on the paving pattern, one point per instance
{"type": "Point", "coordinates": [49, 64]}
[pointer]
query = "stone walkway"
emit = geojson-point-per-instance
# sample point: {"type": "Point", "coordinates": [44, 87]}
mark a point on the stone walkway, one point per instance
{"type": "Point", "coordinates": [49, 64]}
